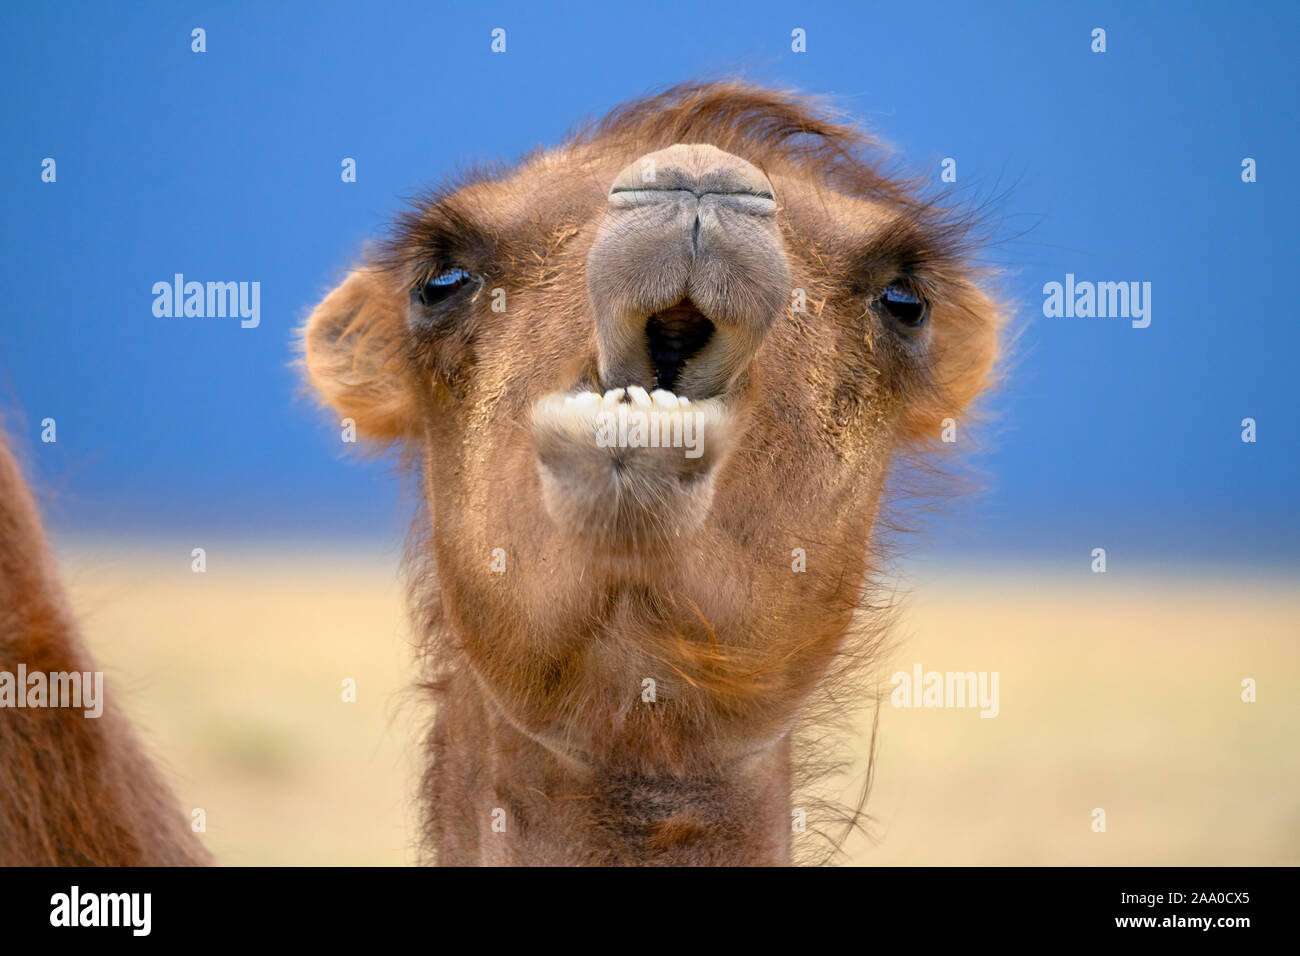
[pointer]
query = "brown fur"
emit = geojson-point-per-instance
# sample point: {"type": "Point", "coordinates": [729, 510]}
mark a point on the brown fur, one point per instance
{"type": "Point", "coordinates": [74, 791]}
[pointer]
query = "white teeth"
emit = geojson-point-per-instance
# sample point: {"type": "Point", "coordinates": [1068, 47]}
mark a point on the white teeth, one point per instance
{"type": "Point", "coordinates": [660, 399]}
{"type": "Point", "coordinates": [664, 399]}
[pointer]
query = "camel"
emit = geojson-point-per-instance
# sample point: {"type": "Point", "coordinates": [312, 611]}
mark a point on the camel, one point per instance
{"type": "Point", "coordinates": [624, 639]}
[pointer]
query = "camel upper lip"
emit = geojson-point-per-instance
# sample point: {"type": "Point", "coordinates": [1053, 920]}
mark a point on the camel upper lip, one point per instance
{"type": "Point", "coordinates": [672, 337]}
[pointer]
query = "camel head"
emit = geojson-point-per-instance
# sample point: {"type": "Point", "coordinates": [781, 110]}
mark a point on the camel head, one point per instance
{"type": "Point", "coordinates": [654, 379]}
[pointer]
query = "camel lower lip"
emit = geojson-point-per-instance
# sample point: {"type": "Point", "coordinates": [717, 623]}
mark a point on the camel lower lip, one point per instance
{"type": "Point", "coordinates": [629, 466]}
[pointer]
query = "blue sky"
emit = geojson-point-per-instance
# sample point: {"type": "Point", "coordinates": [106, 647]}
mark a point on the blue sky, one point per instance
{"type": "Point", "coordinates": [1122, 166]}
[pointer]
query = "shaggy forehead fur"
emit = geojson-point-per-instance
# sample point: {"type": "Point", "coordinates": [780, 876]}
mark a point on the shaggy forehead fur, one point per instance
{"type": "Point", "coordinates": [780, 133]}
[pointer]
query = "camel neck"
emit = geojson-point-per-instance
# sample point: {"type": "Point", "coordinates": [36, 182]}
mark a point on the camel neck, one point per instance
{"type": "Point", "coordinates": [495, 796]}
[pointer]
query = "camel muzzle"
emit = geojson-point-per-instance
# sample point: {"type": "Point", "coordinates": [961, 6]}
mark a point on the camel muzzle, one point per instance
{"type": "Point", "coordinates": [687, 273]}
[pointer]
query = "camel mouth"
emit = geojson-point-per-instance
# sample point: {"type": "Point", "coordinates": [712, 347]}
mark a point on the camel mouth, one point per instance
{"type": "Point", "coordinates": [627, 458]}
{"type": "Point", "coordinates": [673, 337]}
{"type": "Point", "coordinates": [626, 419]}
{"type": "Point", "coordinates": [629, 468]}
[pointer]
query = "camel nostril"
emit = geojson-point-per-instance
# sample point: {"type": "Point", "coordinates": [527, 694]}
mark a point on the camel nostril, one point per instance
{"type": "Point", "coordinates": [673, 336]}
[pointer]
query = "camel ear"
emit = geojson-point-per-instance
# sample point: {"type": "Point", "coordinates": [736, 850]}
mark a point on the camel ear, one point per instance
{"type": "Point", "coordinates": [352, 353]}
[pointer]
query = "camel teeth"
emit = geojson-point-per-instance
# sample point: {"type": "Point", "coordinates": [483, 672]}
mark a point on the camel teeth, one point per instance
{"type": "Point", "coordinates": [661, 399]}
{"type": "Point", "coordinates": [664, 399]}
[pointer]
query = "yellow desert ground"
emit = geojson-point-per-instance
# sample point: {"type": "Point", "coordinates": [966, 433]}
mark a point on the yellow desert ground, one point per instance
{"type": "Point", "coordinates": [1116, 693]}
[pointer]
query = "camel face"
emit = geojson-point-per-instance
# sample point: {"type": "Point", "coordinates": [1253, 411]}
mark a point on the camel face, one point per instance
{"type": "Point", "coordinates": [656, 377]}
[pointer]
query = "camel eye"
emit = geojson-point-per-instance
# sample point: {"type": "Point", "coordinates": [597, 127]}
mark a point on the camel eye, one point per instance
{"type": "Point", "coordinates": [907, 308]}
{"type": "Point", "coordinates": [443, 286]}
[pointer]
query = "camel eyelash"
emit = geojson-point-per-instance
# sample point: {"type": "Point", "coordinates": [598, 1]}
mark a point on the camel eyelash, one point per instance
{"type": "Point", "coordinates": [908, 248]}
{"type": "Point", "coordinates": [426, 242]}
